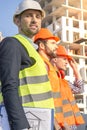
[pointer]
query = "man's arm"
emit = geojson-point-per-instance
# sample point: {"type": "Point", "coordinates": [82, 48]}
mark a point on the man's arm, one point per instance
{"type": "Point", "coordinates": [10, 64]}
{"type": "Point", "coordinates": [74, 66]}
{"type": "Point", "coordinates": [78, 86]}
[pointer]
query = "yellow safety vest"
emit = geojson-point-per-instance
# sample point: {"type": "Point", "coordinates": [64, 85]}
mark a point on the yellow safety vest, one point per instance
{"type": "Point", "coordinates": [35, 88]}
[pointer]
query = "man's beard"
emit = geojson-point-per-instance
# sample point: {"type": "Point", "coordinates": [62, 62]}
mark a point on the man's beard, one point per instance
{"type": "Point", "coordinates": [51, 55]}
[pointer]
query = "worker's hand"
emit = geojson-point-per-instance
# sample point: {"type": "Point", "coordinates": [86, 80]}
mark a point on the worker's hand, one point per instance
{"type": "Point", "coordinates": [74, 66]}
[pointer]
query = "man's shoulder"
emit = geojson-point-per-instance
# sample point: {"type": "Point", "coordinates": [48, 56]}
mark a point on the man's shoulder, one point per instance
{"type": "Point", "coordinates": [9, 39]}
{"type": "Point", "coordinates": [9, 42]}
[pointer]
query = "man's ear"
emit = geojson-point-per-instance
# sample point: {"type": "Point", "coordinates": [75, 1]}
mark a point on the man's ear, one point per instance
{"type": "Point", "coordinates": [17, 21]}
{"type": "Point", "coordinates": [42, 46]}
{"type": "Point", "coordinates": [55, 60]}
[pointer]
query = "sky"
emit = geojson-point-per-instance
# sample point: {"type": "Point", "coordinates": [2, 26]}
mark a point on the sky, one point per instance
{"type": "Point", "coordinates": [7, 9]}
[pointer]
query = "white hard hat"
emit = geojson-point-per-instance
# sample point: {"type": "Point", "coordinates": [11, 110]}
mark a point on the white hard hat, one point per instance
{"type": "Point", "coordinates": [28, 4]}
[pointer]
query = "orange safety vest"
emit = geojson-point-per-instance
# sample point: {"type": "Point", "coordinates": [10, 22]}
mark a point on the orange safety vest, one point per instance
{"type": "Point", "coordinates": [71, 111]}
{"type": "Point", "coordinates": [66, 109]}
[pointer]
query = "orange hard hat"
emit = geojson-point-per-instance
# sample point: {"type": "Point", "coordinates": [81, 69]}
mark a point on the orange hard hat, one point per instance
{"type": "Point", "coordinates": [44, 33]}
{"type": "Point", "coordinates": [61, 51]}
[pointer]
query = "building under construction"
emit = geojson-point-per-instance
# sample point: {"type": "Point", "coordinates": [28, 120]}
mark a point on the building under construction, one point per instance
{"type": "Point", "coordinates": [67, 19]}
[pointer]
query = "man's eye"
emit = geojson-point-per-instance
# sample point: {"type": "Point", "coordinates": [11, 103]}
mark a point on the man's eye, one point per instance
{"type": "Point", "coordinates": [38, 16]}
{"type": "Point", "coordinates": [29, 15]}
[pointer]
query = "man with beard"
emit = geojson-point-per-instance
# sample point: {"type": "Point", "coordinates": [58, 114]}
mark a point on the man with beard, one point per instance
{"type": "Point", "coordinates": [19, 62]}
{"type": "Point", "coordinates": [47, 45]}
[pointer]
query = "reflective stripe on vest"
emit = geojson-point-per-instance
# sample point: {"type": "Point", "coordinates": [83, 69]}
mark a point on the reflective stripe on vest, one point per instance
{"type": "Point", "coordinates": [71, 111]}
{"type": "Point", "coordinates": [66, 108]}
{"type": "Point", "coordinates": [33, 80]}
{"type": "Point", "coordinates": [35, 88]}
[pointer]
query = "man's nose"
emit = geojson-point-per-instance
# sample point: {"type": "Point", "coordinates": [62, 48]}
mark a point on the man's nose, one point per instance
{"type": "Point", "coordinates": [34, 18]}
{"type": "Point", "coordinates": [56, 46]}
{"type": "Point", "coordinates": [66, 61]}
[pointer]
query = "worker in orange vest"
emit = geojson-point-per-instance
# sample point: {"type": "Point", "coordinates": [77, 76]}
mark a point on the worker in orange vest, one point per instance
{"type": "Point", "coordinates": [47, 45]}
{"type": "Point", "coordinates": [69, 110]}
